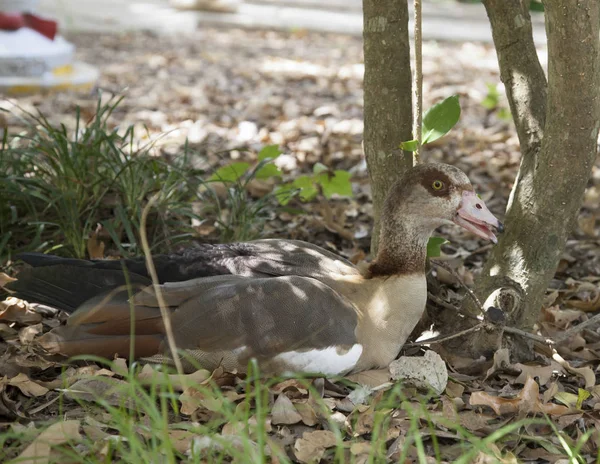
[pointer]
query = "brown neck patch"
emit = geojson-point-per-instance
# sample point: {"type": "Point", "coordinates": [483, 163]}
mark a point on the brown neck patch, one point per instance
{"type": "Point", "coordinates": [404, 252]}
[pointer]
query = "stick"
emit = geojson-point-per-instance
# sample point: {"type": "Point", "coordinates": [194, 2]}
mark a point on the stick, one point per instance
{"type": "Point", "coordinates": [418, 121]}
{"type": "Point", "coordinates": [159, 296]}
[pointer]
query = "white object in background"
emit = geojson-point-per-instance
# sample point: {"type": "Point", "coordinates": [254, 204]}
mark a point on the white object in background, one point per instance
{"type": "Point", "coordinates": [18, 6]}
{"type": "Point", "coordinates": [217, 6]}
{"type": "Point", "coordinates": [25, 52]}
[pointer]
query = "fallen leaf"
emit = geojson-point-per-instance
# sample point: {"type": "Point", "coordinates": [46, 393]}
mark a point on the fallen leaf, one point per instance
{"type": "Point", "coordinates": [454, 389]}
{"type": "Point", "coordinates": [284, 412]}
{"type": "Point", "coordinates": [5, 279]}
{"type": "Point", "coordinates": [27, 386]}
{"type": "Point", "coordinates": [311, 447]}
{"type": "Point", "coordinates": [501, 361]}
{"type": "Point", "coordinates": [16, 310]}
{"type": "Point", "coordinates": [95, 246]}
{"type": "Point", "coordinates": [543, 373]}
{"type": "Point", "coordinates": [39, 451]}
{"type": "Point", "coordinates": [309, 416]}
{"type": "Point", "coordinates": [527, 401]}
{"type": "Point", "coordinates": [372, 378]}
{"type": "Point", "coordinates": [112, 391]}
{"type": "Point", "coordinates": [193, 398]}
{"type": "Point", "coordinates": [585, 372]}
{"type": "Point", "coordinates": [27, 334]}
{"type": "Point", "coordinates": [360, 447]}
{"type": "Point", "coordinates": [151, 376]}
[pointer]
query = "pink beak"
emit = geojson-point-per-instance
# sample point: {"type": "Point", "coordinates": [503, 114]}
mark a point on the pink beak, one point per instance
{"type": "Point", "coordinates": [474, 216]}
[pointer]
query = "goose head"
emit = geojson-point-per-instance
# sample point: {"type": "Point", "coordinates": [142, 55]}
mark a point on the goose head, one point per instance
{"type": "Point", "coordinates": [427, 197]}
{"type": "Point", "coordinates": [437, 194]}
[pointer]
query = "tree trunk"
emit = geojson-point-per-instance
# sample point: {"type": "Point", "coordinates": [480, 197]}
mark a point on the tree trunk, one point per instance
{"type": "Point", "coordinates": [558, 137]}
{"type": "Point", "coordinates": [387, 97]}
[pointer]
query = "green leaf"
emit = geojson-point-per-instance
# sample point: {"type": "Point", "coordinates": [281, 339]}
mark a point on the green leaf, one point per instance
{"type": "Point", "coordinates": [308, 191]}
{"type": "Point", "coordinates": [409, 145]}
{"type": "Point", "coordinates": [492, 98]}
{"type": "Point", "coordinates": [269, 151]}
{"type": "Point", "coordinates": [318, 168]}
{"type": "Point", "coordinates": [338, 183]}
{"type": "Point", "coordinates": [231, 172]}
{"type": "Point", "coordinates": [440, 119]}
{"type": "Point", "coordinates": [284, 193]}
{"type": "Point", "coordinates": [566, 398]}
{"type": "Point", "coordinates": [268, 170]}
{"type": "Point", "coordinates": [434, 246]}
{"type": "Point", "coordinates": [582, 395]}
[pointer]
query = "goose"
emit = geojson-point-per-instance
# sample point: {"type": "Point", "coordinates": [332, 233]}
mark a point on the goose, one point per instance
{"type": "Point", "coordinates": [292, 306]}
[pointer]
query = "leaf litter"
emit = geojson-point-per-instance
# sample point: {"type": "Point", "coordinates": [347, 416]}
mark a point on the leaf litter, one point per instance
{"type": "Point", "coordinates": [302, 91]}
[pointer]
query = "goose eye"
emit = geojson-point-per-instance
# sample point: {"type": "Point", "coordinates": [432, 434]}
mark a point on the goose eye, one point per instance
{"type": "Point", "coordinates": [437, 185]}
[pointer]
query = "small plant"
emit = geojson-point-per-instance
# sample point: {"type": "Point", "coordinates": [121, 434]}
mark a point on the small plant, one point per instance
{"type": "Point", "coordinates": [239, 216]}
{"type": "Point", "coordinates": [56, 185]}
{"type": "Point", "coordinates": [491, 102]}
{"type": "Point", "coordinates": [323, 180]}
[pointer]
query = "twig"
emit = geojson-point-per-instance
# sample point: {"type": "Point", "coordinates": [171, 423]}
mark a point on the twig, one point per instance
{"type": "Point", "coordinates": [578, 328]}
{"type": "Point", "coordinates": [460, 281]}
{"type": "Point", "coordinates": [522, 333]}
{"type": "Point", "coordinates": [450, 306]}
{"type": "Point", "coordinates": [166, 317]}
{"type": "Point", "coordinates": [444, 338]}
{"type": "Point", "coordinates": [418, 82]}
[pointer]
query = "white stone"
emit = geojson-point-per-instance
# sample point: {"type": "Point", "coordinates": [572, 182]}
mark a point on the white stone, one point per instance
{"type": "Point", "coordinates": [422, 372]}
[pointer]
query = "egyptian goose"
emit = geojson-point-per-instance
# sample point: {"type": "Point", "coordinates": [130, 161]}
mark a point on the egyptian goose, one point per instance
{"type": "Point", "coordinates": [293, 306]}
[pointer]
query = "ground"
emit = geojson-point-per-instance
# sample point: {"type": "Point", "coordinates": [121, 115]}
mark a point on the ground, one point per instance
{"type": "Point", "coordinates": [222, 89]}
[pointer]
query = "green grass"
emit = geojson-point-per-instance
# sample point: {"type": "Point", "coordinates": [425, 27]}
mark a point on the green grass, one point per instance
{"type": "Point", "coordinates": [57, 185]}
{"type": "Point", "coordinates": [148, 426]}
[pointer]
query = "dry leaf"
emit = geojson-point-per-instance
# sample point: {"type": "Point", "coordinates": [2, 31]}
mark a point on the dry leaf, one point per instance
{"type": "Point", "coordinates": [473, 421]}
{"type": "Point", "coordinates": [454, 390]}
{"type": "Point", "coordinates": [38, 452]}
{"type": "Point", "coordinates": [27, 386]}
{"type": "Point", "coordinates": [27, 334]}
{"type": "Point", "coordinates": [372, 378]}
{"type": "Point", "coordinates": [501, 361]}
{"type": "Point", "coordinates": [5, 279]}
{"type": "Point", "coordinates": [194, 398]}
{"type": "Point", "coordinates": [181, 439]}
{"type": "Point", "coordinates": [112, 391]}
{"type": "Point", "coordinates": [16, 310]}
{"type": "Point", "coordinates": [543, 373]}
{"type": "Point", "coordinates": [360, 447]}
{"type": "Point", "coordinates": [150, 376]}
{"type": "Point", "coordinates": [527, 401]}
{"type": "Point", "coordinates": [309, 416]}
{"type": "Point", "coordinates": [95, 246]}
{"type": "Point", "coordinates": [284, 412]}
{"type": "Point", "coordinates": [585, 372]}
{"type": "Point", "coordinates": [311, 447]}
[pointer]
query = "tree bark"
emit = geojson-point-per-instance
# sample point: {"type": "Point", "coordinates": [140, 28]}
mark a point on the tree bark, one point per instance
{"type": "Point", "coordinates": [558, 133]}
{"type": "Point", "coordinates": [387, 97]}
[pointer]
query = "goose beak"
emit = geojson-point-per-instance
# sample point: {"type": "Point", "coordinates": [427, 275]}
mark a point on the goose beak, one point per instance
{"type": "Point", "coordinates": [474, 216]}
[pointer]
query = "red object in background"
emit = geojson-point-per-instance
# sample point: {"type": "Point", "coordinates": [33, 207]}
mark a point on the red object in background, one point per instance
{"type": "Point", "coordinates": [14, 21]}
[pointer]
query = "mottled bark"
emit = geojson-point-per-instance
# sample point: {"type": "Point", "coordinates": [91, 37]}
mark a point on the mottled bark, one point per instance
{"type": "Point", "coordinates": [557, 126]}
{"type": "Point", "coordinates": [387, 97]}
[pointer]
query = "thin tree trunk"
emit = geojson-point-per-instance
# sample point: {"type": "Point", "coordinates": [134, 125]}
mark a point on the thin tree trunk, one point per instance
{"type": "Point", "coordinates": [387, 97]}
{"type": "Point", "coordinates": [558, 136]}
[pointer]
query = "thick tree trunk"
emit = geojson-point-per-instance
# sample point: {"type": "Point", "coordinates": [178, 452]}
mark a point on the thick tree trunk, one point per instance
{"type": "Point", "coordinates": [387, 97]}
{"type": "Point", "coordinates": [558, 136]}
